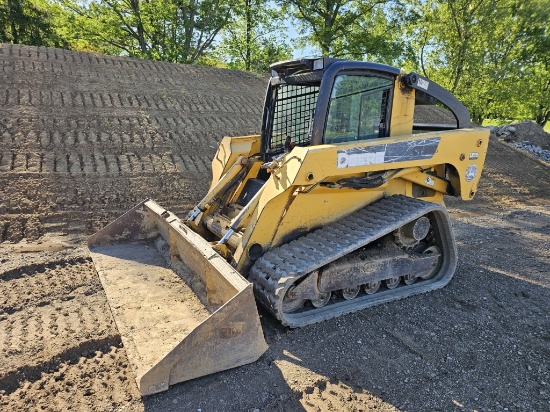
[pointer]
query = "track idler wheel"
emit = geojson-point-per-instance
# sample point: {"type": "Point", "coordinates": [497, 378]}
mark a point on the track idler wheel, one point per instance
{"type": "Point", "coordinates": [392, 283]}
{"type": "Point", "coordinates": [291, 305]}
{"type": "Point", "coordinates": [372, 287]}
{"type": "Point", "coordinates": [322, 300]}
{"type": "Point", "coordinates": [428, 251]}
{"type": "Point", "coordinates": [351, 292]}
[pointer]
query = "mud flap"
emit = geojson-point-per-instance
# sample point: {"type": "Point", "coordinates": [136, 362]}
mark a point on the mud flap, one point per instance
{"type": "Point", "coordinates": [181, 309]}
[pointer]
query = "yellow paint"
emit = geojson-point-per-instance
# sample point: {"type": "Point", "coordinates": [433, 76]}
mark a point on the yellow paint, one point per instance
{"type": "Point", "coordinates": [296, 198]}
{"type": "Point", "coordinates": [229, 150]}
{"type": "Point", "coordinates": [402, 109]}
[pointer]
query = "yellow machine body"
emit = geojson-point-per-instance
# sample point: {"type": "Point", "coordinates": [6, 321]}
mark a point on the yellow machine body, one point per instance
{"type": "Point", "coordinates": [294, 184]}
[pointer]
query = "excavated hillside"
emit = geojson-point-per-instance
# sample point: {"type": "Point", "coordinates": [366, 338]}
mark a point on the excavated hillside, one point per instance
{"type": "Point", "coordinates": [84, 137]}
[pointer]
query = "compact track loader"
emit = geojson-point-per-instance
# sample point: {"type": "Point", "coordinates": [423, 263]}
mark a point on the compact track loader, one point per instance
{"type": "Point", "coordinates": [337, 206]}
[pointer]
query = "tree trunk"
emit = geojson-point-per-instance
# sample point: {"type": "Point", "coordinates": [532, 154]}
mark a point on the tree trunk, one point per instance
{"type": "Point", "coordinates": [139, 26]}
{"type": "Point", "coordinates": [15, 9]}
{"type": "Point", "coordinates": [248, 35]}
{"type": "Point", "coordinates": [543, 116]}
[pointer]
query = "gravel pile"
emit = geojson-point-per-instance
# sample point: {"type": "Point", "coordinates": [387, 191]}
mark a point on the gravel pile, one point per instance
{"type": "Point", "coordinates": [527, 136]}
{"type": "Point", "coordinates": [536, 150]}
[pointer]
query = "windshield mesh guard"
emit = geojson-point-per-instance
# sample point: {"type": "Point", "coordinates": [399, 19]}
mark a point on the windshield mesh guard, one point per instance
{"type": "Point", "coordinates": [292, 116]}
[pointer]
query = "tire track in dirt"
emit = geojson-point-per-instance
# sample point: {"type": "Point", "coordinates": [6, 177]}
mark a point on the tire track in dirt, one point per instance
{"type": "Point", "coordinates": [11, 381]}
{"type": "Point", "coordinates": [107, 101]}
{"type": "Point", "coordinates": [72, 310]}
{"type": "Point", "coordinates": [42, 203]}
{"type": "Point", "coordinates": [97, 381]}
{"type": "Point", "coordinates": [161, 137]}
{"type": "Point", "coordinates": [84, 137]}
{"type": "Point", "coordinates": [55, 280]}
{"type": "Point", "coordinates": [58, 339]}
{"type": "Point", "coordinates": [103, 164]}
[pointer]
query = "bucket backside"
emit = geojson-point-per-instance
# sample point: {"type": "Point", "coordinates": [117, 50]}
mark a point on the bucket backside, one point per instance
{"type": "Point", "coordinates": [181, 309]}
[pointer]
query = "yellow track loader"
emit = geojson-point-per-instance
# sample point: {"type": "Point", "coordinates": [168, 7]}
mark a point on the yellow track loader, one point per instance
{"type": "Point", "coordinates": [335, 207]}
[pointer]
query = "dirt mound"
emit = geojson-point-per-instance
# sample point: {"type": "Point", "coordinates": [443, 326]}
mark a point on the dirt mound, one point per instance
{"type": "Point", "coordinates": [84, 137]}
{"type": "Point", "coordinates": [526, 131]}
{"type": "Point", "coordinates": [432, 114]}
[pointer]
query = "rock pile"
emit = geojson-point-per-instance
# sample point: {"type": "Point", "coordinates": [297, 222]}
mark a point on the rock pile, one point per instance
{"type": "Point", "coordinates": [527, 136]}
{"type": "Point", "coordinates": [536, 150]}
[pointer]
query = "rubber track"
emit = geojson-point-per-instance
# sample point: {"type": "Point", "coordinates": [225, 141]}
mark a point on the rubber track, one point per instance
{"type": "Point", "coordinates": [279, 268]}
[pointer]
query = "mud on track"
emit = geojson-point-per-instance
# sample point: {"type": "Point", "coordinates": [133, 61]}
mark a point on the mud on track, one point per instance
{"type": "Point", "coordinates": [84, 137]}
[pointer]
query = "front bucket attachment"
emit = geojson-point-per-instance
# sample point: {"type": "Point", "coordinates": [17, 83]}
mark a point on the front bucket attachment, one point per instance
{"type": "Point", "coordinates": [181, 309]}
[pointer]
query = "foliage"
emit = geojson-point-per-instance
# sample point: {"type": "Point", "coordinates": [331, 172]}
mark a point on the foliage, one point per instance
{"type": "Point", "coordinates": [534, 94]}
{"type": "Point", "coordinates": [328, 25]}
{"type": "Point", "coordinates": [28, 22]}
{"type": "Point", "coordinates": [485, 51]}
{"type": "Point", "coordinates": [376, 35]}
{"type": "Point", "coordinates": [171, 30]}
{"type": "Point", "coordinates": [255, 39]}
{"type": "Point", "coordinates": [494, 55]}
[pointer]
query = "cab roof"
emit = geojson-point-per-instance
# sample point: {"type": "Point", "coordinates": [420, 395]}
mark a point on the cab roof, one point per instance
{"type": "Point", "coordinates": [288, 67]}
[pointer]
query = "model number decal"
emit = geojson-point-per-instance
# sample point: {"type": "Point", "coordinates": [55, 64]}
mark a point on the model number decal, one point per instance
{"type": "Point", "coordinates": [360, 159]}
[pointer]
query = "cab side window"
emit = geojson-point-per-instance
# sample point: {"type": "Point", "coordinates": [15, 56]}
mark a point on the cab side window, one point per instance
{"type": "Point", "coordinates": [358, 108]}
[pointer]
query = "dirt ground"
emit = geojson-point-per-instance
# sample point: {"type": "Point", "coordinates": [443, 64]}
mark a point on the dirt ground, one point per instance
{"type": "Point", "coordinates": [84, 137]}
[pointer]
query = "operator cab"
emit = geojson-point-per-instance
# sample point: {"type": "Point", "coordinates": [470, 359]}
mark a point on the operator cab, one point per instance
{"type": "Point", "coordinates": [329, 101]}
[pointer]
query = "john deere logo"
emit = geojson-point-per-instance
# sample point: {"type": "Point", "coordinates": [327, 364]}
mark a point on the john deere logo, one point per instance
{"type": "Point", "coordinates": [471, 173]}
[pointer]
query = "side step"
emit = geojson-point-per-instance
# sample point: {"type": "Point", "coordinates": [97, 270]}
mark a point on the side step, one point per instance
{"type": "Point", "coordinates": [181, 309]}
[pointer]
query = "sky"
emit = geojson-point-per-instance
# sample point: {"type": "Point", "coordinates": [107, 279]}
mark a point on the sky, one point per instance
{"type": "Point", "coordinates": [307, 51]}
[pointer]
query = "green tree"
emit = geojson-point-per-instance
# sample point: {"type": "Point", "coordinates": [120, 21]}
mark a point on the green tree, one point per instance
{"type": "Point", "coordinates": [477, 50]}
{"type": "Point", "coordinates": [534, 90]}
{"type": "Point", "coordinates": [375, 36]}
{"type": "Point", "coordinates": [537, 91]}
{"type": "Point", "coordinates": [171, 30]}
{"type": "Point", "coordinates": [254, 39]}
{"type": "Point", "coordinates": [28, 22]}
{"type": "Point", "coordinates": [326, 23]}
